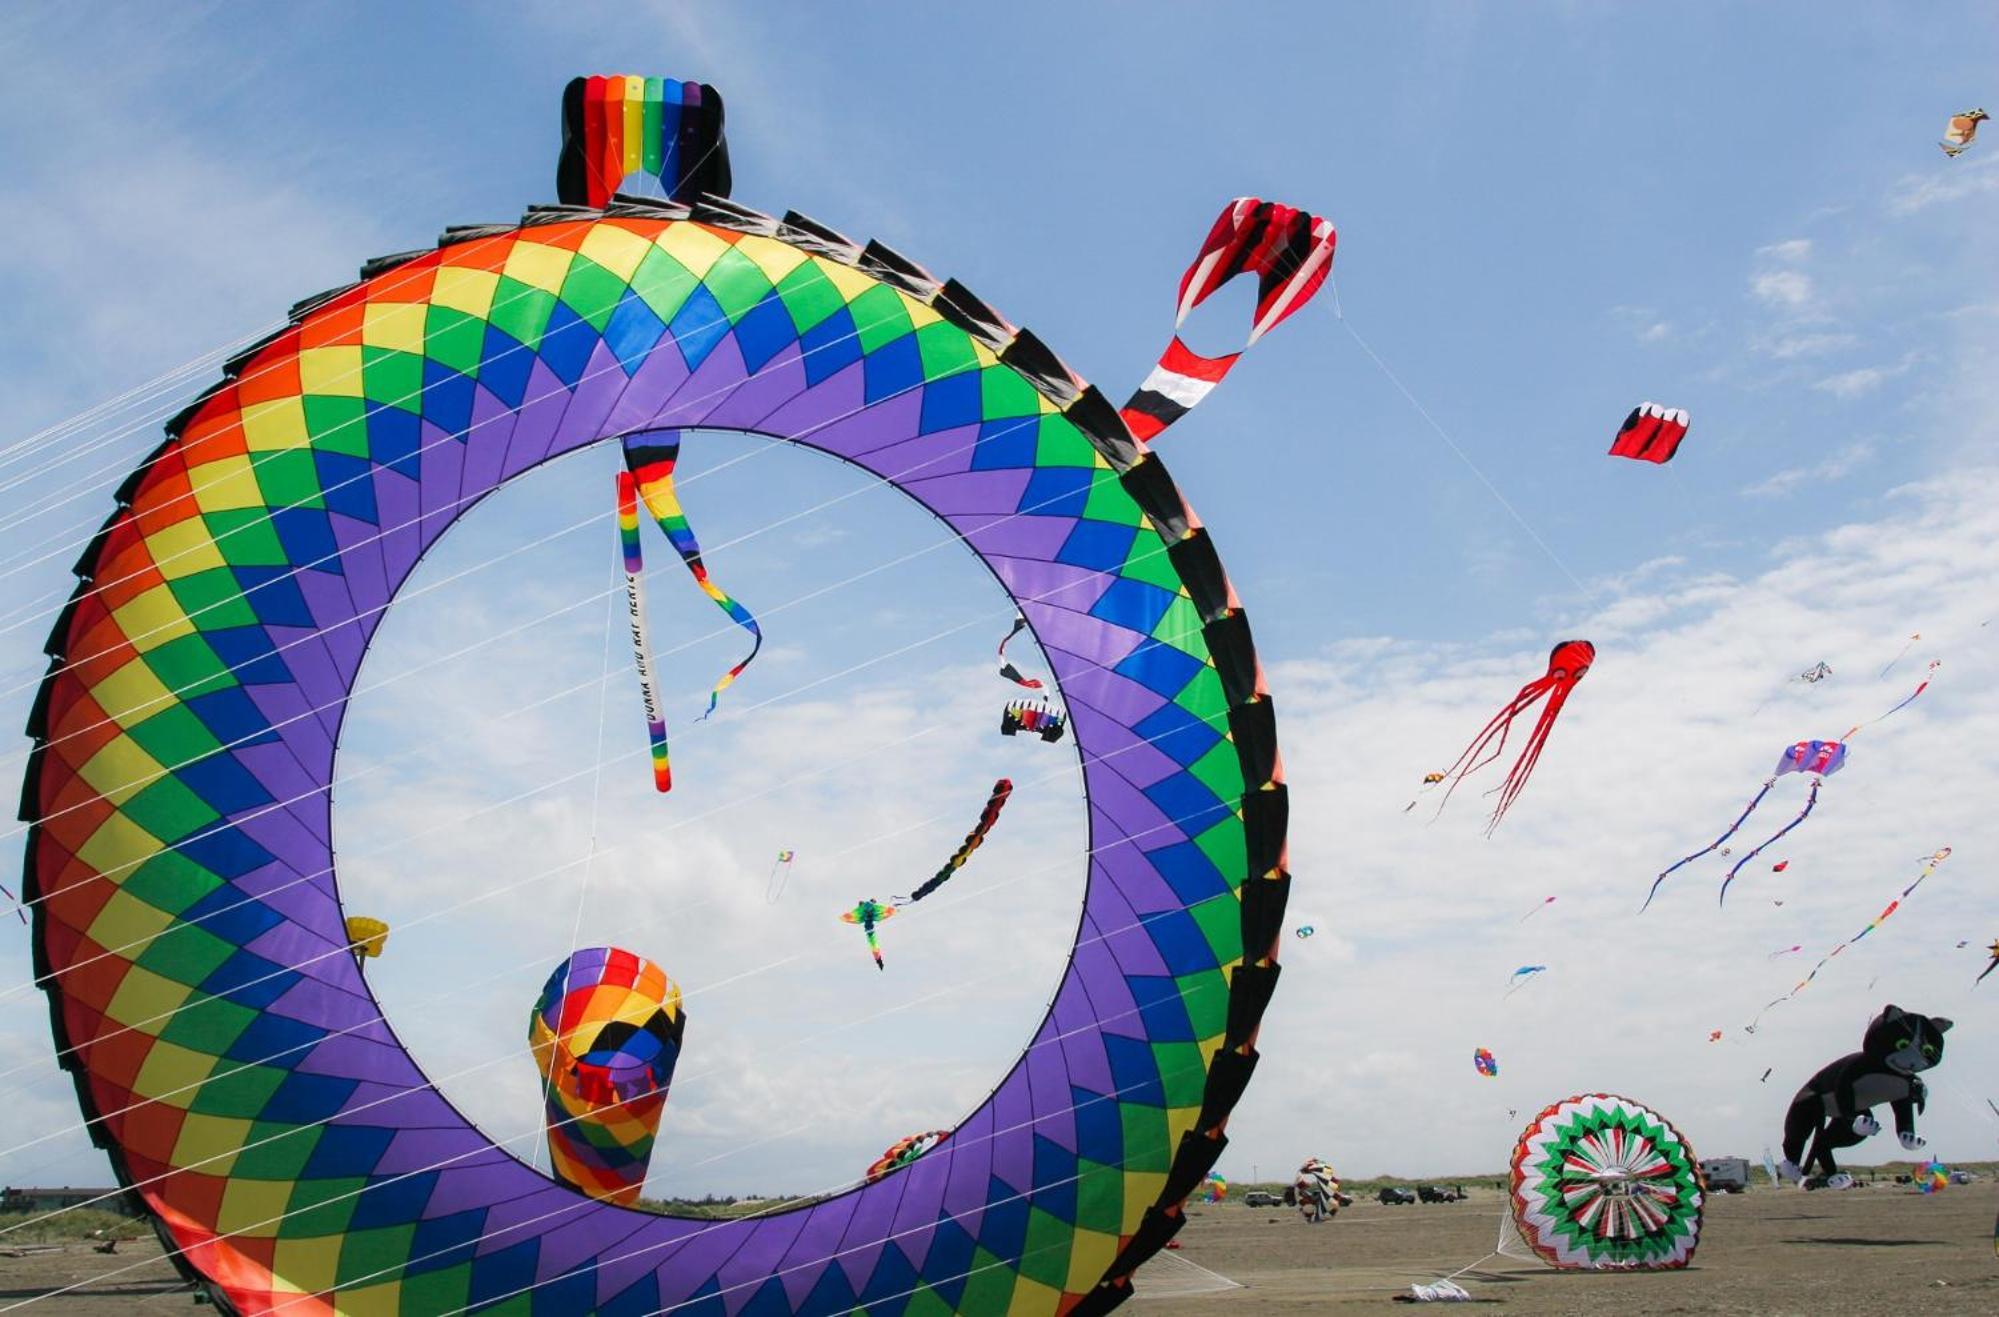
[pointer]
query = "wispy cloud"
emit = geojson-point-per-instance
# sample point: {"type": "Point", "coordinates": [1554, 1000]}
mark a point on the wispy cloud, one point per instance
{"type": "Point", "coordinates": [1952, 181]}
{"type": "Point", "coordinates": [1862, 380]}
{"type": "Point", "coordinates": [1841, 464]}
{"type": "Point", "coordinates": [1790, 251]}
{"type": "Point", "coordinates": [1644, 323]}
{"type": "Point", "coordinates": [1791, 346]}
{"type": "Point", "coordinates": [1789, 289]}
{"type": "Point", "coordinates": [1677, 687]}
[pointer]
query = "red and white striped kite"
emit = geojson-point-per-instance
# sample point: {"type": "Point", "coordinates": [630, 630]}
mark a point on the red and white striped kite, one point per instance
{"type": "Point", "coordinates": [1289, 252]}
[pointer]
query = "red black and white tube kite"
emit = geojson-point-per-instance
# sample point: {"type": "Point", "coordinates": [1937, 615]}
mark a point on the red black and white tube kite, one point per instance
{"type": "Point", "coordinates": [1650, 434]}
{"type": "Point", "coordinates": [1289, 251]}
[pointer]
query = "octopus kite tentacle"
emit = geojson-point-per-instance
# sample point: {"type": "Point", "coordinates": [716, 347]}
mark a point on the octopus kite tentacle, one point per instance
{"type": "Point", "coordinates": [1568, 663]}
{"type": "Point", "coordinates": [1811, 799]}
{"type": "Point", "coordinates": [1747, 810]}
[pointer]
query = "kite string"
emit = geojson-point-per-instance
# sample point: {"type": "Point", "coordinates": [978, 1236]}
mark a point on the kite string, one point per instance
{"type": "Point", "coordinates": [535, 877]}
{"type": "Point", "coordinates": [98, 587]}
{"type": "Point", "coordinates": [767, 527]}
{"type": "Point", "coordinates": [740, 539]}
{"type": "Point", "coordinates": [554, 391]}
{"type": "Point", "coordinates": [601, 696]}
{"type": "Point", "coordinates": [1058, 1038]}
{"type": "Point", "coordinates": [559, 780]}
{"type": "Point", "coordinates": [564, 778]}
{"type": "Point", "coordinates": [1934, 859]}
{"type": "Point", "coordinates": [590, 849]}
{"type": "Point", "coordinates": [1464, 457]}
{"type": "Point", "coordinates": [980, 891]}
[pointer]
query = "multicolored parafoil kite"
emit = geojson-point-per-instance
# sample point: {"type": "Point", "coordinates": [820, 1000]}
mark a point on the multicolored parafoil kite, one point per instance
{"type": "Point", "coordinates": [1604, 1183]}
{"type": "Point", "coordinates": [1962, 130]}
{"type": "Point", "coordinates": [1568, 663]}
{"type": "Point", "coordinates": [1044, 722]}
{"type": "Point", "coordinates": [1002, 790]}
{"type": "Point", "coordinates": [367, 938]}
{"type": "Point", "coordinates": [1289, 252]}
{"type": "Point", "coordinates": [904, 1151]}
{"type": "Point", "coordinates": [1650, 434]}
{"type": "Point", "coordinates": [1486, 1063]}
{"type": "Point", "coordinates": [605, 1035]}
{"type": "Point", "coordinates": [194, 648]}
{"type": "Point", "coordinates": [615, 127]}
{"type": "Point", "coordinates": [1215, 1188]}
{"type": "Point", "coordinates": [1934, 1178]}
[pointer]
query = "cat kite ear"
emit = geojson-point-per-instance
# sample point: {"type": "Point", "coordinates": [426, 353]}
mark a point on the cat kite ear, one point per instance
{"type": "Point", "coordinates": [1891, 1012]}
{"type": "Point", "coordinates": [1940, 1024]}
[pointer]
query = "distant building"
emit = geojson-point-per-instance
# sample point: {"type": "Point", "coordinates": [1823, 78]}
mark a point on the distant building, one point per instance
{"type": "Point", "coordinates": [54, 1200]}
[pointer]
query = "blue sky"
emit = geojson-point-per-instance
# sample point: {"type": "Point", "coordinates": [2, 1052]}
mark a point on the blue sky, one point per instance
{"type": "Point", "coordinates": [1547, 213]}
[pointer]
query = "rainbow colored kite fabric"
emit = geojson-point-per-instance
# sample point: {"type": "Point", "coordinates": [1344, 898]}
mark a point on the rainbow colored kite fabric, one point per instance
{"type": "Point", "coordinates": [616, 126]}
{"type": "Point", "coordinates": [180, 865]}
{"type": "Point", "coordinates": [606, 1035]}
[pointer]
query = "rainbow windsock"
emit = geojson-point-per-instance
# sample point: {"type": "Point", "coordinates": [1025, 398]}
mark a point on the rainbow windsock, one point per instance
{"type": "Point", "coordinates": [605, 1034]}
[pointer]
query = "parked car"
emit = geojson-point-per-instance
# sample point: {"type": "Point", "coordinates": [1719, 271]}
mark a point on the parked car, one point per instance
{"type": "Point", "coordinates": [1433, 1193]}
{"type": "Point", "coordinates": [1258, 1198]}
{"type": "Point", "coordinates": [1395, 1197]}
{"type": "Point", "coordinates": [1725, 1175]}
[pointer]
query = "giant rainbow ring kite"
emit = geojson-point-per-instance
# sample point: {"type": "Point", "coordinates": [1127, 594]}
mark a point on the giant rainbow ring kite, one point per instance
{"type": "Point", "coordinates": [188, 927]}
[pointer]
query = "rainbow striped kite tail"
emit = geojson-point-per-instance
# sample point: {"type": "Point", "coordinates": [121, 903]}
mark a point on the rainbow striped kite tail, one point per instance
{"type": "Point", "coordinates": [728, 678]}
{"type": "Point", "coordinates": [633, 552]}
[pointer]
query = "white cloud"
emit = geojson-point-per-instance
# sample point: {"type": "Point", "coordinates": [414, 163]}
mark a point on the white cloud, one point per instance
{"type": "Point", "coordinates": [1644, 323]}
{"type": "Point", "coordinates": [1789, 289]}
{"type": "Point", "coordinates": [1862, 380]}
{"type": "Point", "coordinates": [1840, 465]}
{"type": "Point", "coordinates": [1951, 181]}
{"type": "Point", "coordinates": [1659, 748]}
{"type": "Point", "coordinates": [1791, 346]}
{"type": "Point", "coordinates": [1791, 251]}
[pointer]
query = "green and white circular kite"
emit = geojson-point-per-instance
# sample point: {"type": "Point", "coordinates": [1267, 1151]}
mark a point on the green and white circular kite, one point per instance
{"type": "Point", "coordinates": [1604, 1183]}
